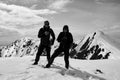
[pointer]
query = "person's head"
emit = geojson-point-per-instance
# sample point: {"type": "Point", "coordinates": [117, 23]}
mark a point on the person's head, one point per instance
{"type": "Point", "coordinates": [65, 28]}
{"type": "Point", "coordinates": [46, 24]}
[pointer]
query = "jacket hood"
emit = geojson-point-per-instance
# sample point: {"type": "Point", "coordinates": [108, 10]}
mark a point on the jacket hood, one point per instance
{"type": "Point", "coordinates": [46, 23]}
{"type": "Point", "coordinates": [66, 28]}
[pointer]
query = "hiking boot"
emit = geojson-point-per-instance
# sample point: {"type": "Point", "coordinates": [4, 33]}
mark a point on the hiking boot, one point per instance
{"type": "Point", "coordinates": [35, 63]}
{"type": "Point", "coordinates": [67, 71]}
{"type": "Point", "coordinates": [47, 66]}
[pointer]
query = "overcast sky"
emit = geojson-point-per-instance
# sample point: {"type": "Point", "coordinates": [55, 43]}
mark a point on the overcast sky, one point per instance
{"type": "Point", "coordinates": [20, 18]}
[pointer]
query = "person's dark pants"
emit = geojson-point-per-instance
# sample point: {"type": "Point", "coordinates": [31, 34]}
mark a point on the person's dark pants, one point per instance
{"type": "Point", "coordinates": [40, 51]}
{"type": "Point", "coordinates": [56, 53]}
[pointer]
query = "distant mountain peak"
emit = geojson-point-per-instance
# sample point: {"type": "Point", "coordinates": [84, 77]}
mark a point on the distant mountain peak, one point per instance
{"type": "Point", "coordinates": [97, 45]}
{"type": "Point", "coordinates": [24, 46]}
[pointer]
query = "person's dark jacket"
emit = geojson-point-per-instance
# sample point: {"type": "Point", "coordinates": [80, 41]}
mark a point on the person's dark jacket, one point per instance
{"type": "Point", "coordinates": [45, 39]}
{"type": "Point", "coordinates": [65, 40]}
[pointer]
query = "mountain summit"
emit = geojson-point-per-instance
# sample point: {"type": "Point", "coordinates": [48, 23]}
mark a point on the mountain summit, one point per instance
{"type": "Point", "coordinates": [97, 45]}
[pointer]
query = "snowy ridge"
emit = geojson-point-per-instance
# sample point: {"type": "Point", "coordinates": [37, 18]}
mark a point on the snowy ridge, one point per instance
{"type": "Point", "coordinates": [105, 47]}
{"type": "Point", "coordinates": [107, 43]}
{"type": "Point", "coordinates": [24, 46]}
{"type": "Point", "coordinates": [25, 71]}
{"type": "Point", "coordinates": [96, 45]}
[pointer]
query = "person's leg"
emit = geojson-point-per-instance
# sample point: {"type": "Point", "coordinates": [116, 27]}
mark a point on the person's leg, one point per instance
{"type": "Point", "coordinates": [66, 58]}
{"type": "Point", "coordinates": [55, 54]}
{"type": "Point", "coordinates": [40, 50]}
{"type": "Point", "coordinates": [48, 50]}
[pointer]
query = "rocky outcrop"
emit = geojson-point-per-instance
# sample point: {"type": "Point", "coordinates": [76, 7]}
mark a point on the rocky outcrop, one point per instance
{"type": "Point", "coordinates": [25, 46]}
{"type": "Point", "coordinates": [95, 46]}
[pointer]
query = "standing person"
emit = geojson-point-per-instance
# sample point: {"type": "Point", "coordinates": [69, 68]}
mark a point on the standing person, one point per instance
{"type": "Point", "coordinates": [65, 39]}
{"type": "Point", "coordinates": [46, 42]}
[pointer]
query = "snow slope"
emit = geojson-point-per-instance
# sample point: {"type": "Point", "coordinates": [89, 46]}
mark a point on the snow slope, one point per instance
{"type": "Point", "coordinates": [20, 68]}
{"type": "Point", "coordinates": [103, 41]}
{"type": "Point", "coordinates": [17, 68]}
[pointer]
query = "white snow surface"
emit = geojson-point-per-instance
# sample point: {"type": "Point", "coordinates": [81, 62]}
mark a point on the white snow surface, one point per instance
{"type": "Point", "coordinates": [21, 68]}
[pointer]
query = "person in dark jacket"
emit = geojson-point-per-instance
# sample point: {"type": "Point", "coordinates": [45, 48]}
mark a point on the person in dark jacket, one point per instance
{"type": "Point", "coordinates": [46, 42]}
{"type": "Point", "coordinates": [65, 39]}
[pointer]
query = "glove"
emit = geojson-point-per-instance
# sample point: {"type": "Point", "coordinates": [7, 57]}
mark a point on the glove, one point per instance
{"type": "Point", "coordinates": [64, 38]}
{"type": "Point", "coordinates": [46, 33]}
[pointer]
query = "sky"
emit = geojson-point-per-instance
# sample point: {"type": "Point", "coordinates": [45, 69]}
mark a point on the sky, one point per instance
{"type": "Point", "coordinates": [21, 18]}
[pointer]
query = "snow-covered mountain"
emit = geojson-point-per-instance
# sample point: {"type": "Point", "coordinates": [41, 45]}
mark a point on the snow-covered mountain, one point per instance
{"type": "Point", "coordinates": [24, 46]}
{"type": "Point", "coordinates": [97, 46]}
{"type": "Point", "coordinates": [92, 45]}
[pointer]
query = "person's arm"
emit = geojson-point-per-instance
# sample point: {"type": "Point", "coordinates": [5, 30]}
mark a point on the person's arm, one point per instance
{"type": "Point", "coordinates": [40, 33]}
{"type": "Point", "coordinates": [59, 39]}
{"type": "Point", "coordinates": [71, 38]}
{"type": "Point", "coordinates": [53, 36]}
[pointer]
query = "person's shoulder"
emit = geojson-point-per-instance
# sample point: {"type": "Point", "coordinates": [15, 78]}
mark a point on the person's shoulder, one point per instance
{"type": "Point", "coordinates": [61, 32]}
{"type": "Point", "coordinates": [70, 33]}
{"type": "Point", "coordinates": [51, 30]}
{"type": "Point", "coordinates": [41, 28]}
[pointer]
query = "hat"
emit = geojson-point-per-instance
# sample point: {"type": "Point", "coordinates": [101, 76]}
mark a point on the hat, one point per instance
{"type": "Point", "coordinates": [46, 22]}
{"type": "Point", "coordinates": [66, 27]}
